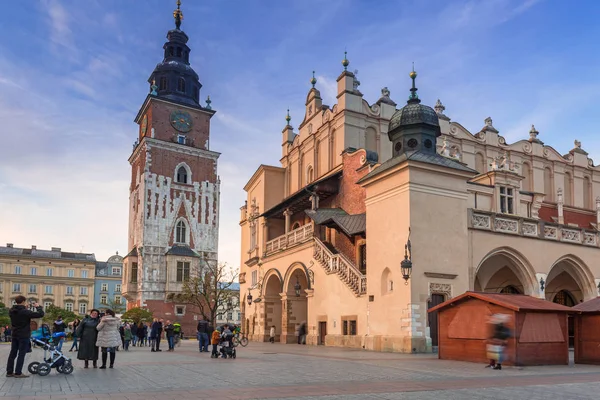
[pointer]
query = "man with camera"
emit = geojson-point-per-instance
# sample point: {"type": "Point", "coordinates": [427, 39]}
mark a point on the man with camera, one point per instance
{"type": "Point", "coordinates": [20, 318]}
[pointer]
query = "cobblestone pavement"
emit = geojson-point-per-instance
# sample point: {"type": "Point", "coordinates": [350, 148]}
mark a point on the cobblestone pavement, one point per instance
{"type": "Point", "coordinates": [274, 371]}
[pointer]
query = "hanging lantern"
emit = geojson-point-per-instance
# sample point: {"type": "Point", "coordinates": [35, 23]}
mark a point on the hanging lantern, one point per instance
{"type": "Point", "coordinates": [249, 298]}
{"type": "Point", "coordinates": [406, 264]}
{"type": "Point", "coordinates": [297, 287]}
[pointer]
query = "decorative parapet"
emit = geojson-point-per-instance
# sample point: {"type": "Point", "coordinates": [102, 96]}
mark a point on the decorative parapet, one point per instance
{"type": "Point", "coordinates": [290, 239]}
{"type": "Point", "coordinates": [520, 226]}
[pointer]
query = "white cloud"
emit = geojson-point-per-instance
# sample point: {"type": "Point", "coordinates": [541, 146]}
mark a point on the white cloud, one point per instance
{"type": "Point", "coordinates": [60, 31]}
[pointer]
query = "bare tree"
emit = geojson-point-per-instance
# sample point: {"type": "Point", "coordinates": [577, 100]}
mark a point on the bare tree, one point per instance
{"type": "Point", "coordinates": [209, 288]}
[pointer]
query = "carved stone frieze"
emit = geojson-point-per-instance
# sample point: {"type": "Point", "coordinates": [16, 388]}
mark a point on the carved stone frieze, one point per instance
{"type": "Point", "coordinates": [506, 225]}
{"type": "Point", "coordinates": [441, 288]}
{"type": "Point", "coordinates": [481, 221]}
{"type": "Point", "coordinates": [589, 239]}
{"type": "Point", "coordinates": [571, 235]}
{"type": "Point", "coordinates": [530, 229]}
{"type": "Point", "coordinates": [551, 232]}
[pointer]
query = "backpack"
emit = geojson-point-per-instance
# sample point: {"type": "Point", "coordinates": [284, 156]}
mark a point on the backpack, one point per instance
{"type": "Point", "coordinates": [177, 328]}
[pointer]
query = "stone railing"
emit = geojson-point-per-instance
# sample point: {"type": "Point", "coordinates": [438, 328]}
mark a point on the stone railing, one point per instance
{"type": "Point", "coordinates": [344, 268]}
{"type": "Point", "coordinates": [514, 225]}
{"type": "Point", "coordinates": [290, 239]}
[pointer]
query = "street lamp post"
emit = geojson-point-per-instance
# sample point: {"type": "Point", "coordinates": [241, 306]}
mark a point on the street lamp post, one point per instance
{"type": "Point", "coordinates": [406, 264]}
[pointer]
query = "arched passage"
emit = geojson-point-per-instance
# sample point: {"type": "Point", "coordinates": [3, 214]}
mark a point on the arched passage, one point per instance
{"type": "Point", "coordinates": [295, 302]}
{"type": "Point", "coordinates": [569, 273]}
{"type": "Point", "coordinates": [505, 270]}
{"type": "Point", "coordinates": [273, 305]}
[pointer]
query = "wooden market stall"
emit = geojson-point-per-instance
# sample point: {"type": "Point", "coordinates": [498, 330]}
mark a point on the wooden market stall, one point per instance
{"type": "Point", "coordinates": [587, 332]}
{"type": "Point", "coordinates": [538, 327]}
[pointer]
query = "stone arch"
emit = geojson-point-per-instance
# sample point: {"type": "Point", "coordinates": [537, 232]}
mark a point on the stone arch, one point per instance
{"type": "Point", "coordinates": [503, 267]}
{"type": "Point", "coordinates": [273, 272]}
{"type": "Point", "coordinates": [188, 170]}
{"type": "Point", "coordinates": [289, 274]}
{"type": "Point", "coordinates": [295, 308]}
{"type": "Point", "coordinates": [272, 289]}
{"type": "Point", "coordinates": [570, 273]}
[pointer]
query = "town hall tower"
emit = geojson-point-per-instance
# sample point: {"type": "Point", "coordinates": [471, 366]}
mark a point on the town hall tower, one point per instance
{"type": "Point", "coordinates": [174, 190]}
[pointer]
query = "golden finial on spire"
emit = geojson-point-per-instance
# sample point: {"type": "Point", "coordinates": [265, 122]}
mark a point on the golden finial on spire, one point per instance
{"type": "Point", "coordinates": [178, 15]}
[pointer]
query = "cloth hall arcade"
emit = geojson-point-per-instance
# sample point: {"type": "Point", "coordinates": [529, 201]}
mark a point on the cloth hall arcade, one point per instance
{"type": "Point", "coordinates": [504, 217]}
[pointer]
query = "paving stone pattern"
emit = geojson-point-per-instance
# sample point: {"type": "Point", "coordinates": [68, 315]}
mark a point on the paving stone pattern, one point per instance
{"type": "Point", "coordinates": [275, 371]}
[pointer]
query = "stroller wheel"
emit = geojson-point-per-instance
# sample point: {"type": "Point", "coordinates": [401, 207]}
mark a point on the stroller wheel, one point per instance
{"type": "Point", "coordinates": [67, 368]}
{"type": "Point", "coordinates": [43, 369]}
{"type": "Point", "coordinates": [33, 367]}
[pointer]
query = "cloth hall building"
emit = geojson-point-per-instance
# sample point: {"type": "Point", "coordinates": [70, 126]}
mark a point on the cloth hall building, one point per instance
{"type": "Point", "coordinates": [504, 217]}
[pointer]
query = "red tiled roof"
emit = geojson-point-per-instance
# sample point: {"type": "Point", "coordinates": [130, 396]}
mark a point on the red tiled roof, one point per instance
{"type": "Point", "coordinates": [589, 306]}
{"type": "Point", "coordinates": [516, 302]}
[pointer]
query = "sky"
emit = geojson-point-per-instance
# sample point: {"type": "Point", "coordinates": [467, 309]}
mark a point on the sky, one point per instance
{"type": "Point", "coordinates": [73, 75]}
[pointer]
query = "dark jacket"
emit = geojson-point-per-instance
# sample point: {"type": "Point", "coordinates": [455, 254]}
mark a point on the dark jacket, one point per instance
{"type": "Point", "coordinates": [59, 326]}
{"type": "Point", "coordinates": [88, 334]}
{"type": "Point", "coordinates": [170, 330]}
{"type": "Point", "coordinates": [20, 319]}
{"type": "Point", "coordinates": [202, 326]}
{"type": "Point", "coordinates": [133, 328]}
{"type": "Point", "coordinates": [501, 332]}
{"type": "Point", "coordinates": [156, 329]}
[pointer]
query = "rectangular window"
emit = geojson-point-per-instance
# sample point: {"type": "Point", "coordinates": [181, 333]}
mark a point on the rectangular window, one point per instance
{"type": "Point", "coordinates": [349, 326]}
{"type": "Point", "coordinates": [183, 271]}
{"type": "Point", "coordinates": [48, 289]}
{"type": "Point", "coordinates": [70, 290]}
{"type": "Point", "coordinates": [69, 306]}
{"type": "Point", "coordinates": [84, 274]}
{"type": "Point", "coordinates": [179, 310]}
{"type": "Point", "coordinates": [17, 287]}
{"type": "Point", "coordinates": [118, 288]}
{"type": "Point", "coordinates": [49, 271]}
{"type": "Point", "coordinates": [181, 139]}
{"type": "Point", "coordinates": [47, 304]}
{"type": "Point", "coordinates": [104, 287]}
{"type": "Point", "coordinates": [362, 258]}
{"type": "Point", "coordinates": [18, 269]}
{"type": "Point", "coordinates": [32, 288]}
{"type": "Point", "coordinates": [117, 299]}
{"type": "Point", "coordinates": [82, 308]}
{"type": "Point", "coordinates": [83, 291]}
{"type": "Point", "coordinates": [506, 200]}
{"type": "Point", "coordinates": [254, 277]}
{"type": "Point", "coordinates": [103, 299]}
{"type": "Point", "coordinates": [71, 273]}
{"type": "Point", "coordinates": [134, 272]}
{"type": "Point", "coordinates": [229, 316]}
{"type": "Point", "coordinates": [116, 270]}
{"type": "Point", "coordinates": [33, 270]}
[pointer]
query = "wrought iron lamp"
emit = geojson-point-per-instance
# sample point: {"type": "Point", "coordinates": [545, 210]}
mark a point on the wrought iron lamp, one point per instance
{"type": "Point", "coordinates": [542, 284]}
{"type": "Point", "coordinates": [297, 286]}
{"type": "Point", "coordinates": [249, 298]}
{"type": "Point", "coordinates": [406, 264]}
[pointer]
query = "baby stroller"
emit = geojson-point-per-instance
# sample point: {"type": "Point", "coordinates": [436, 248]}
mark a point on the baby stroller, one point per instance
{"type": "Point", "coordinates": [227, 347]}
{"type": "Point", "coordinates": [53, 357]}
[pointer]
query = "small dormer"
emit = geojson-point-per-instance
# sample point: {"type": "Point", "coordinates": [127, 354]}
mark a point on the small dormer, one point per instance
{"type": "Point", "coordinates": [506, 180]}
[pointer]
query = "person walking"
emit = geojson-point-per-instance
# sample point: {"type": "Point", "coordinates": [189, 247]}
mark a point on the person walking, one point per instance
{"type": "Point", "coordinates": [76, 323]}
{"type": "Point", "coordinates": [202, 329]}
{"type": "Point", "coordinates": [141, 334]}
{"type": "Point", "coordinates": [155, 334]}
{"type": "Point", "coordinates": [170, 334]}
{"type": "Point", "coordinates": [20, 320]}
{"type": "Point", "coordinates": [88, 334]}
{"type": "Point", "coordinates": [272, 334]}
{"type": "Point", "coordinates": [128, 336]}
{"type": "Point", "coordinates": [109, 337]}
{"type": "Point", "coordinates": [133, 328]}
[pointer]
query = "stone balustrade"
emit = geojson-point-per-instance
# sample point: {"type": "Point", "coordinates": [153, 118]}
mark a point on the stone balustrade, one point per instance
{"type": "Point", "coordinates": [515, 225]}
{"type": "Point", "coordinates": [290, 239]}
{"type": "Point", "coordinates": [340, 265]}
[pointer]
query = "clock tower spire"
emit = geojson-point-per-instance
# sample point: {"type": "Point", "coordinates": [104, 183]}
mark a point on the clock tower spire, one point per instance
{"type": "Point", "coordinates": [174, 190]}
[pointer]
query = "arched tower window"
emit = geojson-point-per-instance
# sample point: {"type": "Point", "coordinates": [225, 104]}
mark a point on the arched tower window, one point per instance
{"type": "Point", "coordinates": [181, 85]}
{"type": "Point", "coordinates": [162, 83]}
{"type": "Point", "coordinates": [179, 52]}
{"type": "Point", "coordinates": [171, 51]}
{"type": "Point", "coordinates": [181, 232]}
{"type": "Point", "coordinates": [309, 174]}
{"type": "Point", "coordinates": [182, 175]}
{"type": "Point", "coordinates": [371, 139]}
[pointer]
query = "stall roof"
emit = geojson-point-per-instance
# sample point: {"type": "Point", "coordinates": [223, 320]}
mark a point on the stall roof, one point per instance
{"type": "Point", "coordinates": [515, 302]}
{"type": "Point", "coordinates": [589, 306]}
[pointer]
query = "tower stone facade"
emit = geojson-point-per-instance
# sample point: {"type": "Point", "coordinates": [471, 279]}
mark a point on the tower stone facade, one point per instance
{"type": "Point", "coordinates": [174, 190]}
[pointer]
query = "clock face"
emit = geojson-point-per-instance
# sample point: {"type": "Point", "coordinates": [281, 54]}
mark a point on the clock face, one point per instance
{"type": "Point", "coordinates": [144, 124]}
{"type": "Point", "coordinates": [181, 120]}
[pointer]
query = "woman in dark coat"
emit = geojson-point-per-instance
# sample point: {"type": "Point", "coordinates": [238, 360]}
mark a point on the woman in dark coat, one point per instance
{"type": "Point", "coordinates": [88, 334]}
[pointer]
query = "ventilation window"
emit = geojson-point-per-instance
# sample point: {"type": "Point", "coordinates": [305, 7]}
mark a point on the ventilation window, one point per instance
{"type": "Point", "coordinates": [412, 143]}
{"type": "Point", "coordinates": [179, 52]}
{"type": "Point", "coordinates": [171, 52]}
{"type": "Point", "coordinates": [428, 143]}
{"type": "Point", "coordinates": [163, 83]}
{"type": "Point", "coordinates": [181, 85]}
{"type": "Point", "coordinates": [398, 147]}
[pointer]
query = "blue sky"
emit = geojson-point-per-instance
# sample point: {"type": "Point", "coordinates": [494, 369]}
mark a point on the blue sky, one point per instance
{"type": "Point", "coordinates": [73, 76]}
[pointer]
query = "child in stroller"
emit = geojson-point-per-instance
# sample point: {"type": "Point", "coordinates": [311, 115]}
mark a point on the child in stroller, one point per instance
{"type": "Point", "coordinates": [227, 347]}
{"type": "Point", "coordinates": [53, 356]}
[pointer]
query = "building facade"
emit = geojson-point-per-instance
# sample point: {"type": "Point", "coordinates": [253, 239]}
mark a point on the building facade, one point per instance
{"type": "Point", "coordinates": [174, 190]}
{"type": "Point", "coordinates": [502, 217]}
{"type": "Point", "coordinates": [108, 288]}
{"type": "Point", "coordinates": [230, 312]}
{"type": "Point", "coordinates": [64, 279]}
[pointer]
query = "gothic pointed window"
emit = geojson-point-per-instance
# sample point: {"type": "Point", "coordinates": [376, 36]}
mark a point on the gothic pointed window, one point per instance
{"type": "Point", "coordinates": [181, 232]}
{"type": "Point", "coordinates": [181, 175]}
{"type": "Point", "coordinates": [181, 85]}
{"type": "Point", "coordinates": [162, 83]}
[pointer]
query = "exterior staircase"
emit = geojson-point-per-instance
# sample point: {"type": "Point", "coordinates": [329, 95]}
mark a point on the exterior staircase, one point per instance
{"type": "Point", "coordinates": [339, 264]}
